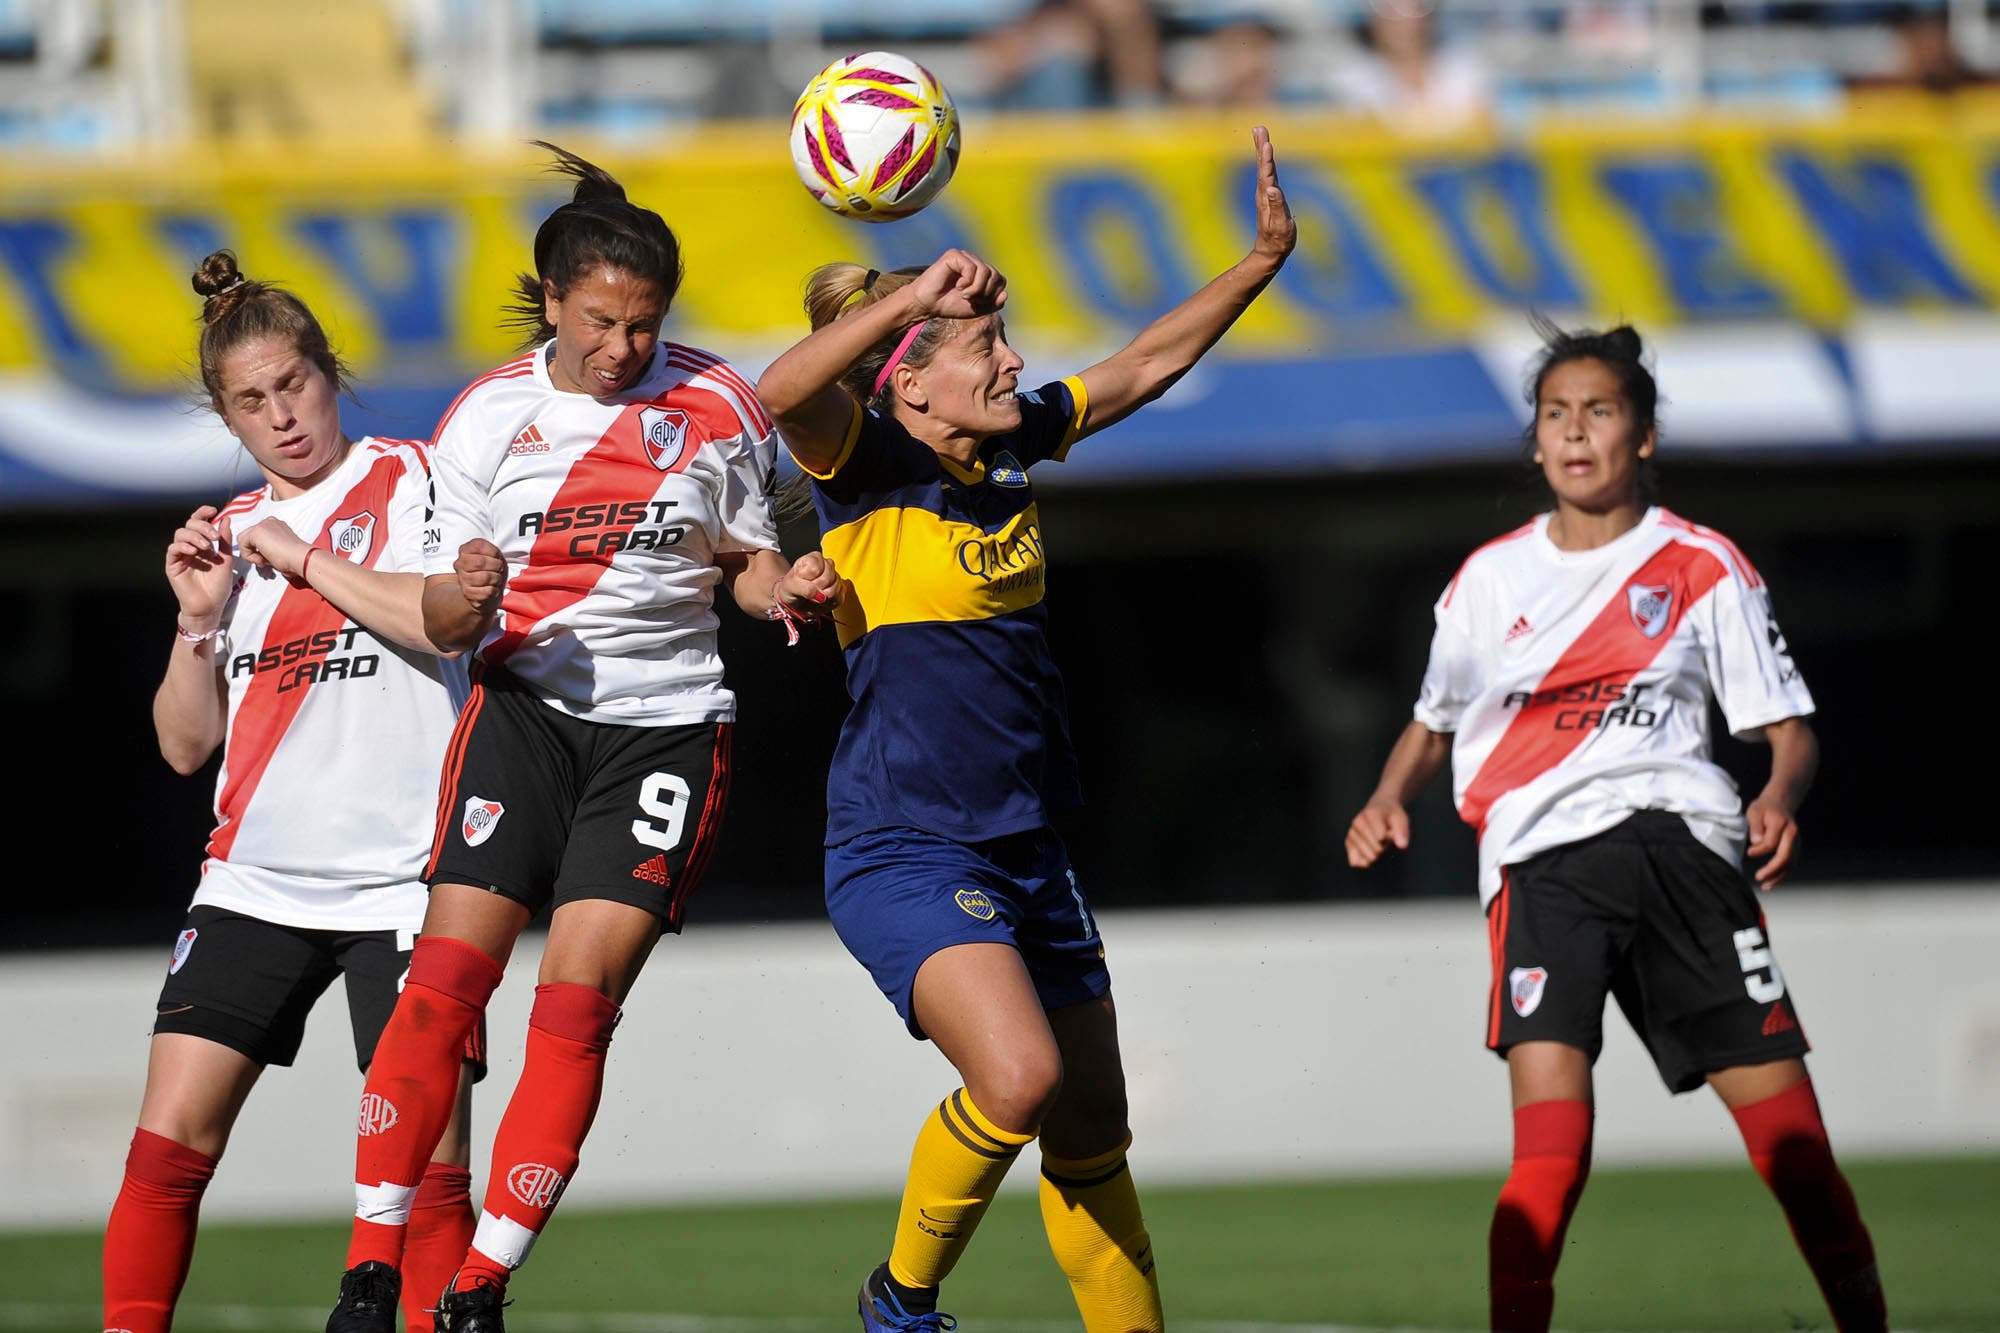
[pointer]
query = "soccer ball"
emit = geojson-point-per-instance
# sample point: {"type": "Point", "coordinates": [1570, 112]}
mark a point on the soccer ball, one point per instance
{"type": "Point", "coordinates": [875, 136]}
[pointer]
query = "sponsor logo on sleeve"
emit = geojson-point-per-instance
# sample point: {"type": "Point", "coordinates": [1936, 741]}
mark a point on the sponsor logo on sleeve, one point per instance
{"type": "Point", "coordinates": [1649, 605]}
{"type": "Point", "coordinates": [535, 1185]}
{"type": "Point", "coordinates": [975, 904]}
{"type": "Point", "coordinates": [350, 538]}
{"type": "Point", "coordinates": [664, 432]}
{"type": "Point", "coordinates": [481, 818]}
{"type": "Point", "coordinates": [183, 945]}
{"type": "Point", "coordinates": [1006, 470]}
{"type": "Point", "coordinates": [1525, 985]}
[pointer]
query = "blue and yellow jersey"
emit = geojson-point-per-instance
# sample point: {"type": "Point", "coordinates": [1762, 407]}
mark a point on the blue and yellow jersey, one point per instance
{"type": "Point", "coordinates": [959, 725]}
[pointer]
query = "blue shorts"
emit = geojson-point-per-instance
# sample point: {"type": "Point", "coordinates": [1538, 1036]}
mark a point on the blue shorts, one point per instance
{"type": "Point", "coordinates": [898, 895]}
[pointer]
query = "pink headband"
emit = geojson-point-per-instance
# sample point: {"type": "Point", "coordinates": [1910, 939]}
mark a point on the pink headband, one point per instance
{"type": "Point", "coordinates": [896, 358]}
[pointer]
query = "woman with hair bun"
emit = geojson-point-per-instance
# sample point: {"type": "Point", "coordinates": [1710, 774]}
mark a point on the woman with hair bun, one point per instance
{"type": "Point", "coordinates": [1569, 686]}
{"type": "Point", "coordinates": [300, 653]}
{"type": "Point", "coordinates": [590, 497]}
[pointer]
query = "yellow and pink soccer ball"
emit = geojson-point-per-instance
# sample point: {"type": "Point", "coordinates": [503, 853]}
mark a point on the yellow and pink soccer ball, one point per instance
{"type": "Point", "coordinates": [875, 136]}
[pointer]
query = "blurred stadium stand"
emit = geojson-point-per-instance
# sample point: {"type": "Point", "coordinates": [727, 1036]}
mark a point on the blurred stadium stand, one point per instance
{"type": "Point", "coordinates": [107, 74]}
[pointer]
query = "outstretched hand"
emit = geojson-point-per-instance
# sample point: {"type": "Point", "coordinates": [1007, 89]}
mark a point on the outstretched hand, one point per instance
{"type": "Point", "coordinates": [1277, 233]}
{"type": "Point", "coordinates": [959, 285]}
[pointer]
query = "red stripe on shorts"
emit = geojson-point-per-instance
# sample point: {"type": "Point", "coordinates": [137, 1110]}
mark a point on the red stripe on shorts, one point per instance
{"type": "Point", "coordinates": [454, 764]}
{"type": "Point", "coordinates": [1496, 938]}
{"type": "Point", "coordinates": [707, 832]}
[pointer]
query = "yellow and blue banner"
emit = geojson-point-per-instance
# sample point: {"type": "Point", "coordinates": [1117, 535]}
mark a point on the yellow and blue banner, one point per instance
{"type": "Point", "coordinates": [1795, 276]}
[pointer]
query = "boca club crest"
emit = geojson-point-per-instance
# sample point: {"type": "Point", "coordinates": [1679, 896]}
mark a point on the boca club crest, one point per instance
{"type": "Point", "coordinates": [350, 538]}
{"type": "Point", "coordinates": [664, 432]}
{"type": "Point", "coordinates": [1650, 606]}
{"type": "Point", "coordinates": [1524, 986]}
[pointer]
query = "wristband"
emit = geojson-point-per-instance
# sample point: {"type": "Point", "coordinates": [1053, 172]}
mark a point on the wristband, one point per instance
{"type": "Point", "coordinates": [181, 632]}
{"type": "Point", "coordinates": [306, 564]}
{"type": "Point", "coordinates": [791, 619]}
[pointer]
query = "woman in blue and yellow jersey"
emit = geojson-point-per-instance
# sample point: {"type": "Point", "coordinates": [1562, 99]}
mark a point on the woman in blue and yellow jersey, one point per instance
{"type": "Point", "coordinates": [943, 875]}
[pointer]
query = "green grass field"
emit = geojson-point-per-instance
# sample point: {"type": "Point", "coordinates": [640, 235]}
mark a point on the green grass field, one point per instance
{"type": "Point", "coordinates": [1650, 1249]}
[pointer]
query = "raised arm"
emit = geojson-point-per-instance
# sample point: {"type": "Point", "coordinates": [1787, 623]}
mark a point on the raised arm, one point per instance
{"type": "Point", "coordinates": [801, 389]}
{"type": "Point", "coordinates": [1164, 350]}
{"type": "Point", "coordinates": [1413, 761]}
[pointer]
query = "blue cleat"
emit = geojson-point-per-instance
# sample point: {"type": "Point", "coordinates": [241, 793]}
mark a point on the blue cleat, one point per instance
{"type": "Point", "coordinates": [883, 1312]}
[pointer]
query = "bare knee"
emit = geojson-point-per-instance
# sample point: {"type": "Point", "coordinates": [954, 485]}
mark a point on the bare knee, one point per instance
{"type": "Point", "coordinates": [1016, 1090]}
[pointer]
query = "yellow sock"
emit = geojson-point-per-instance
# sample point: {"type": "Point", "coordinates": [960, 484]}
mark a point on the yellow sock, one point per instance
{"type": "Point", "coordinates": [1091, 1210]}
{"type": "Point", "coordinates": [955, 1170]}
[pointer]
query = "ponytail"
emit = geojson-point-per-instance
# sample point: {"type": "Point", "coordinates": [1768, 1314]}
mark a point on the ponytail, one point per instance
{"type": "Point", "coordinates": [833, 290]}
{"type": "Point", "coordinates": [599, 226]}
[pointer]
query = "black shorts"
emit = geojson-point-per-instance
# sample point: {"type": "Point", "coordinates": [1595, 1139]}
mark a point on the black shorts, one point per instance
{"type": "Point", "coordinates": [549, 809]}
{"type": "Point", "coordinates": [248, 984]}
{"type": "Point", "coordinates": [1646, 912]}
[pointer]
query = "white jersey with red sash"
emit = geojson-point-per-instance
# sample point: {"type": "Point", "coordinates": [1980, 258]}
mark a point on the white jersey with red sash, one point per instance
{"type": "Point", "coordinates": [1577, 685]}
{"type": "Point", "coordinates": [611, 514]}
{"type": "Point", "coordinates": [328, 791]}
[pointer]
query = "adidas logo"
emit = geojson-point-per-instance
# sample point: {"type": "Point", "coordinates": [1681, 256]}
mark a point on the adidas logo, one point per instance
{"type": "Point", "coordinates": [1779, 1020]}
{"type": "Point", "coordinates": [1518, 628]}
{"type": "Point", "coordinates": [529, 441]}
{"type": "Point", "coordinates": [653, 871]}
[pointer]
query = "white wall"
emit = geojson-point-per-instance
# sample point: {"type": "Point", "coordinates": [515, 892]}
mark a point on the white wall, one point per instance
{"type": "Point", "coordinates": [1309, 1041]}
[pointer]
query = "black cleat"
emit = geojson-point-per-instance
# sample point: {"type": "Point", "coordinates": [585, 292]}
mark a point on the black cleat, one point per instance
{"type": "Point", "coordinates": [475, 1311]}
{"type": "Point", "coordinates": [368, 1296]}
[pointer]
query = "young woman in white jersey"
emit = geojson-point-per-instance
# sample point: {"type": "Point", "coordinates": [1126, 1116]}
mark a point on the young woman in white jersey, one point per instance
{"type": "Point", "coordinates": [589, 498]}
{"type": "Point", "coordinates": [1569, 686]}
{"type": "Point", "coordinates": [300, 653]}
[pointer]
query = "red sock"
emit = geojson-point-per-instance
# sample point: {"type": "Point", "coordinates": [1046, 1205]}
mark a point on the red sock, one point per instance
{"type": "Point", "coordinates": [150, 1238]}
{"type": "Point", "coordinates": [440, 1230]}
{"type": "Point", "coordinates": [1788, 1146]}
{"type": "Point", "coordinates": [536, 1147]}
{"type": "Point", "coordinates": [412, 1087]}
{"type": "Point", "coordinates": [1551, 1162]}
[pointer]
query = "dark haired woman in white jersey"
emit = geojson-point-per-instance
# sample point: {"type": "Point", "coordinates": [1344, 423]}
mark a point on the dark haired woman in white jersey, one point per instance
{"type": "Point", "coordinates": [300, 653]}
{"type": "Point", "coordinates": [1569, 686]}
{"type": "Point", "coordinates": [591, 495]}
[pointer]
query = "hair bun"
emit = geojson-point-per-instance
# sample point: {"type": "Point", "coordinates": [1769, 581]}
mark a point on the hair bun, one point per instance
{"type": "Point", "coordinates": [217, 274]}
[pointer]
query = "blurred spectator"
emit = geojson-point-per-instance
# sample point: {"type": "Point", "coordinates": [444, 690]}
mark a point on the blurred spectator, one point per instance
{"type": "Point", "coordinates": [1237, 64]}
{"type": "Point", "coordinates": [1403, 77]}
{"type": "Point", "coordinates": [1927, 60]}
{"type": "Point", "coordinates": [1066, 54]}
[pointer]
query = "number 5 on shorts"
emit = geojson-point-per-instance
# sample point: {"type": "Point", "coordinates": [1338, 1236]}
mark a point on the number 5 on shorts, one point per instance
{"type": "Point", "coordinates": [665, 797]}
